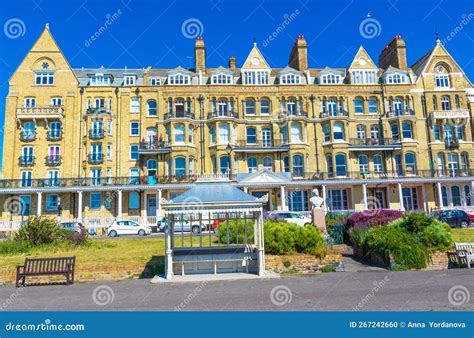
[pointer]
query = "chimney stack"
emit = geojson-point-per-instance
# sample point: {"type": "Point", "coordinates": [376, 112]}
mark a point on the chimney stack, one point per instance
{"type": "Point", "coordinates": [232, 63]}
{"type": "Point", "coordinates": [200, 55]}
{"type": "Point", "coordinates": [299, 54]}
{"type": "Point", "coordinates": [394, 54]}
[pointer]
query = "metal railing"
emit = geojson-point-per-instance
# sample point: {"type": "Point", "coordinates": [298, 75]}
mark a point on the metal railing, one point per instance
{"type": "Point", "coordinates": [96, 134]}
{"type": "Point", "coordinates": [451, 144]}
{"type": "Point", "coordinates": [27, 136]}
{"type": "Point", "coordinates": [373, 142]}
{"type": "Point", "coordinates": [298, 113]}
{"type": "Point", "coordinates": [154, 145]}
{"type": "Point", "coordinates": [25, 161]}
{"type": "Point", "coordinates": [55, 135]}
{"type": "Point", "coordinates": [261, 143]}
{"type": "Point", "coordinates": [53, 160]}
{"type": "Point", "coordinates": [222, 114]}
{"type": "Point", "coordinates": [334, 113]}
{"type": "Point", "coordinates": [341, 174]}
{"type": "Point", "coordinates": [95, 158]}
{"type": "Point", "coordinates": [404, 112]}
{"type": "Point", "coordinates": [182, 114]}
{"type": "Point", "coordinates": [97, 111]}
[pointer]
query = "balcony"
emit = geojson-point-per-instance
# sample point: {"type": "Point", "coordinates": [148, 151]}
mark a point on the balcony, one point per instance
{"type": "Point", "coordinates": [292, 114]}
{"type": "Point", "coordinates": [399, 113]}
{"type": "Point", "coordinates": [179, 115]}
{"type": "Point", "coordinates": [98, 111]}
{"type": "Point", "coordinates": [358, 144]}
{"type": "Point", "coordinates": [95, 158]}
{"type": "Point", "coordinates": [27, 136]}
{"type": "Point", "coordinates": [96, 134]}
{"type": "Point", "coordinates": [450, 114]}
{"type": "Point", "coordinates": [54, 135]}
{"type": "Point", "coordinates": [333, 113]}
{"type": "Point", "coordinates": [53, 160]}
{"type": "Point", "coordinates": [154, 147]}
{"type": "Point", "coordinates": [261, 146]}
{"type": "Point", "coordinates": [451, 144]}
{"type": "Point", "coordinates": [218, 114]}
{"type": "Point", "coordinates": [26, 161]}
{"type": "Point", "coordinates": [53, 112]}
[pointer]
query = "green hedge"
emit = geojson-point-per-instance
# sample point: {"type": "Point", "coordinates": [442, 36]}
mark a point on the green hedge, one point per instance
{"type": "Point", "coordinates": [238, 230]}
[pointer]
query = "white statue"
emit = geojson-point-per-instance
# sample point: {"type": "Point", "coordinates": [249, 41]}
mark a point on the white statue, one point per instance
{"type": "Point", "coordinates": [316, 200]}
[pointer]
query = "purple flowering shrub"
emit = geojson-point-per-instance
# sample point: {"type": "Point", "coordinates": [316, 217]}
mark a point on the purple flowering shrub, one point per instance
{"type": "Point", "coordinates": [371, 218]}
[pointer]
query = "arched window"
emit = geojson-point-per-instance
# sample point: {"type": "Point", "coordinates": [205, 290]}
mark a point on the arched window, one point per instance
{"type": "Point", "coordinates": [373, 106]}
{"type": "Point", "coordinates": [284, 134]}
{"type": "Point", "coordinates": [224, 133]}
{"type": "Point", "coordinates": [268, 163]}
{"type": "Point", "coordinates": [251, 135]}
{"type": "Point", "coordinates": [445, 102]}
{"type": "Point", "coordinates": [332, 106]}
{"type": "Point", "coordinates": [440, 164]}
{"type": "Point", "coordinates": [213, 134]}
{"type": "Point", "coordinates": [296, 134]}
{"type": "Point", "coordinates": [398, 106]}
{"type": "Point", "coordinates": [179, 166]}
{"type": "Point", "coordinates": [338, 131]}
{"type": "Point", "coordinates": [222, 107]}
{"type": "Point", "coordinates": [266, 137]}
{"type": "Point", "coordinates": [252, 164]}
{"type": "Point", "coordinates": [250, 107]}
{"type": "Point", "coordinates": [436, 132]}
{"type": "Point", "coordinates": [363, 164]}
{"type": "Point", "coordinates": [341, 169]}
{"type": "Point", "coordinates": [444, 196]}
{"type": "Point", "coordinates": [378, 163]}
{"type": "Point", "coordinates": [448, 133]}
{"type": "Point", "coordinates": [152, 138]}
{"type": "Point", "coordinates": [179, 133]}
{"type": "Point", "coordinates": [453, 167]}
{"type": "Point", "coordinates": [190, 134]}
{"type": "Point", "coordinates": [464, 163]}
{"type": "Point", "coordinates": [264, 106]}
{"type": "Point", "coordinates": [467, 195]}
{"type": "Point", "coordinates": [224, 164]}
{"type": "Point", "coordinates": [398, 164]}
{"type": "Point", "coordinates": [291, 106]}
{"type": "Point", "coordinates": [394, 130]}
{"type": "Point", "coordinates": [456, 195]}
{"type": "Point", "coordinates": [358, 105]}
{"type": "Point", "coordinates": [329, 166]}
{"type": "Point", "coordinates": [151, 107]}
{"type": "Point", "coordinates": [191, 166]}
{"type": "Point", "coordinates": [410, 163]}
{"type": "Point", "coordinates": [374, 134]}
{"type": "Point", "coordinates": [327, 133]}
{"type": "Point", "coordinates": [298, 166]}
{"type": "Point", "coordinates": [361, 132]}
{"type": "Point", "coordinates": [406, 130]}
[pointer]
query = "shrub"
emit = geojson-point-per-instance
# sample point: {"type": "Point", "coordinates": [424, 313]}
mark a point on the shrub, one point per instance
{"type": "Point", "coordinates": [328, 268]}
{"type": "Point", "coordinates": [239, 232]}
{"type": "Point", "coordinates": [39, 231]}
{"type": "Point", "coordinates": [11, 247]}
{"type": "Point", "coordinates": [358, 236]}
{"type": "Point", "coordinates": [75, 238]}
{"type": "Point", "coordinates": [403, 246]}
{"type": "Point", "coordinates": [370, 218]}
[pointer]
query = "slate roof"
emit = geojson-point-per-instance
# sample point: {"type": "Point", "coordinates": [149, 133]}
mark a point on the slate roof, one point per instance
{"type": "Point", "coordinates": [213, 193]}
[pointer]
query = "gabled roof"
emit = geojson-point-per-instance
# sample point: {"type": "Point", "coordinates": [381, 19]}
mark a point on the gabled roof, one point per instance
{"type": "Point", "coordinates": [255, 60]}
{"type": "Point", "coordinates": [221, 69]}
{"type": "Point", "coordinates": [362, 60]}
{"type": "Point", "coordinates": [392, 69]}
{"type": "Point", "coordinates": [180, 69]}
{"type": "Point", "coordinates": [420, 65]}
{"type": "Point", "coordinates": [264, 176]}
{"type": "Point", "coordinates": [289, 69]}
{"type": "Point", "coordinates": [331, 70]}
{"type": "Point", "coordinates": [215, 193]}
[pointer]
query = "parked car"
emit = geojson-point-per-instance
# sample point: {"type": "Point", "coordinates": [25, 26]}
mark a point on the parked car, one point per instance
{"type": "Point", "coordinates": [290, 216]}
{"type": "Point", "coordinates": [74, 227]}
{"type": "Point", "coordinates": [456, 218]}
{"type": "Point", "coordinates": [184, 225]}
{"type": "Point", "coordinates": [118, 228]}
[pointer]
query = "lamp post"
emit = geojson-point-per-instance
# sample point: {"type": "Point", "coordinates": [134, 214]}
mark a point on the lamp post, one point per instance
{"type": "Point", "coordinates": [312, 98]}
{"type": "Point", "coordinates": [201, 132]}
{"type": "Point", "coordinates": [59, 208]}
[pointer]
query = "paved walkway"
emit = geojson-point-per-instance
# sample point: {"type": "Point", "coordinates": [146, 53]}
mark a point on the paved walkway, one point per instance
{"type": "Point", "coordinates": [366, 291]}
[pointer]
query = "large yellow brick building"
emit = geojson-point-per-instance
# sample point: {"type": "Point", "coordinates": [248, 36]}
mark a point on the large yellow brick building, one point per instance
{"type": "Point", "coordinates": [104, 143]}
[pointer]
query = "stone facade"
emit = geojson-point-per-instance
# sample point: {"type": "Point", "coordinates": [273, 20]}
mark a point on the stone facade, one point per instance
{"type": "Point", "coordinates": [113, 142]}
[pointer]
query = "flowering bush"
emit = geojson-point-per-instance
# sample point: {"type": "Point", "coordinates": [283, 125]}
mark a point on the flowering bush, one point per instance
{"type": "Point", "coordinates": [370, 218]}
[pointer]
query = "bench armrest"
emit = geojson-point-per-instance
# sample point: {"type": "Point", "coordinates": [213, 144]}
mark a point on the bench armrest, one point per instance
{"type": "Point", "coordinates": [19, 267]}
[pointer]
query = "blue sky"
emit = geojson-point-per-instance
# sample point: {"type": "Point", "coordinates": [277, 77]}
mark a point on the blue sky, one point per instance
{"type": "Point", "coordinates": [160, 33]}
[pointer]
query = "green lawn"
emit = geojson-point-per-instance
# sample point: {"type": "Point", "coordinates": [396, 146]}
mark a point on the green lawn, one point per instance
{"type": "Point", "coordinates": [463, 235]}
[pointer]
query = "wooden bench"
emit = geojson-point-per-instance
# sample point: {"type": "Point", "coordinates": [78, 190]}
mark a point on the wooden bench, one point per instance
{"type": "Point", "coordinates": [46, 267]}
{"type": "Point", "coordinates": [465, 251]}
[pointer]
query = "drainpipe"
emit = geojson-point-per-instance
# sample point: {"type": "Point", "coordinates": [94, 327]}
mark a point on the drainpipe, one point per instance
{"type": "Point", "coordinates": [117, 133]}
{"type": "Point", "coordinates": [311, 98]}
{"type": "Point", "coordinates": [81, 92]}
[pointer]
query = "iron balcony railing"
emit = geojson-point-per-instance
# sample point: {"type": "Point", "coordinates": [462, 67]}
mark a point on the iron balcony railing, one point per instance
{"type": "Point", "coordinates": [53, 160]}
{"type": "Point", "coordinates": [154, 145]}
{"type": "Point", "coordinates": [98, 110]}
{"type": "Point", "coordinates": [181, 114]}
{"type": "Point", "coordinates": [95, 158]}
{"type": "Point", "coordinates": [451, 144]}
{"type": "Point", "coordinates": [215, 114]}
{"type": "Point", "coordinates": [373, 142]}
{"type": "Point", "coordinates": [54, 135]}
{"type": "Point", "coordinates": [404, 112]}
{"type": "Point", "coordinates": [96, 134]}
{"type": "Point", "coordinates": [26, 161]}
{"type": "Point", "coordinates": [344, 174]}
{"type": "Point", "coordinates": [249, 143]}
{"type": "Point", "coordinates": [27, 136]}
{"type": "Point", "coordinates": [297, 113]}
{"type": "Point", "coordinates": [334, 113]}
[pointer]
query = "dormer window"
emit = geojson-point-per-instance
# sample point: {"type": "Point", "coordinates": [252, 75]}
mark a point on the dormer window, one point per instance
{"type": "Point", "coordinates": [221, 78]}
{"type": "Point", "coordinates": [290, 79]}
{"type": "Point", "coordinates": [256, 77]}
{"type": "Point", "coordinates": [129, 80]}
{"type": "Point", "coordinates": [396, 78]}
{"type": "Point", "coordinates": [154, 81]}
{"type": "Point", "coordinates": [44, 78]}
{"type": "Point", "coordinates": [330, 79]}
{"type": "Point", "coordinates": [100, 80]}
{"type": "Point", "coordinates": [179, 79]}
{"type": "Point", "coordinates": [364, 77]}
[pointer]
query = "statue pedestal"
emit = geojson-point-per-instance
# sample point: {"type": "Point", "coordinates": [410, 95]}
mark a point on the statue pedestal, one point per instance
{"type": "Point", "coordinates": [319, 219]}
